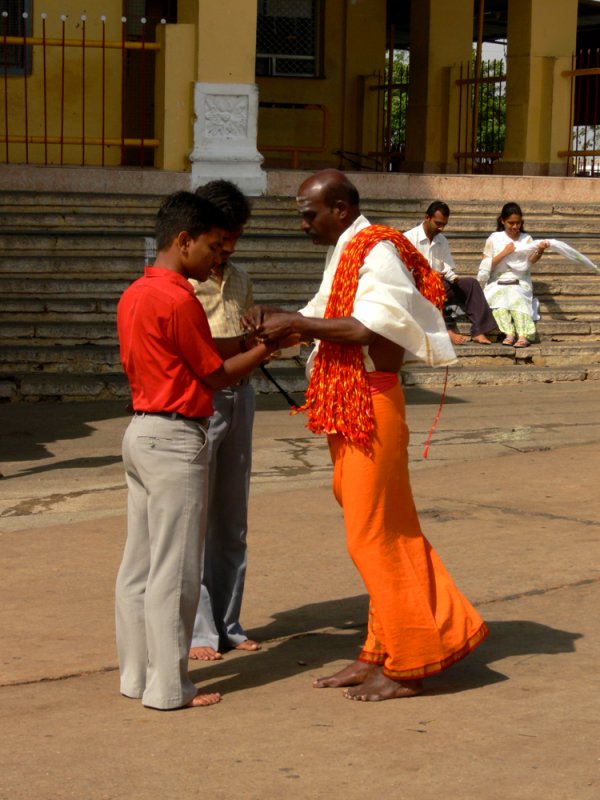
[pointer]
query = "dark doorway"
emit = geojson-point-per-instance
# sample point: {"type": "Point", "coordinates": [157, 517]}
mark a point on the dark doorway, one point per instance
{"type": "Point", "coordinates": [140, 65]}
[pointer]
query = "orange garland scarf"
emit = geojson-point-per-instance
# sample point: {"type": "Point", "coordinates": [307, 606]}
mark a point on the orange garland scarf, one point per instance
{"type": "Point", "coordinates": [338, 399]}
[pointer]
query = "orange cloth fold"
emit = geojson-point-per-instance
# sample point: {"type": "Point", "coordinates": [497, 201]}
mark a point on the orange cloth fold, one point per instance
{"type": "Point", "coordinates": [419, 622]}
{"type": "Point", "coordinates": [338, 397]}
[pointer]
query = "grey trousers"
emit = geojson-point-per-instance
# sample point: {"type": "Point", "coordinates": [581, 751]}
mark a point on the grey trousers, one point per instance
{"type": "Point", "coordinates": [468, 294]}
{"type": "Point", "coordinates": [158, 584]}
{"type": "Point", "coordinates": [217, 622]}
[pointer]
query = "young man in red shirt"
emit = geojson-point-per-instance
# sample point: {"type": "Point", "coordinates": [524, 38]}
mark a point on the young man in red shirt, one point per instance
{"type": "Point", "coordinates": [172, 367]}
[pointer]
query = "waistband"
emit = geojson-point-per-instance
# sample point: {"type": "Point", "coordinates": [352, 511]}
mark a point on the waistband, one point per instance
{"type": "Point", "coordinates": [381, 381]}
{"type": "Point", "coordinates": [173, 415]}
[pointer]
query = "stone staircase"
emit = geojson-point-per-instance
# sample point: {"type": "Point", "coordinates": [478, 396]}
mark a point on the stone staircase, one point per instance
{"type": "Point", "coordinates": [65, 258]}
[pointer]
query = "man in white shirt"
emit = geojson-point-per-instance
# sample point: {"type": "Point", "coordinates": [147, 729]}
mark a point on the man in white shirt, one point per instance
{"type": "Point", "coordinates": [375, 302]}
{"type": "Point", "coordinates": [463, 292]}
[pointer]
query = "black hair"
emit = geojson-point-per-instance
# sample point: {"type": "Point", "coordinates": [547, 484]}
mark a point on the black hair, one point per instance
{"type": "Point", "coordinates": [184, 211]}
{"type": "Point", "coordinates": [508, 209]}
{"type": "Point", "coordinates": [229, 199]}
{"type": "Point", "coordinates": [438, 205]}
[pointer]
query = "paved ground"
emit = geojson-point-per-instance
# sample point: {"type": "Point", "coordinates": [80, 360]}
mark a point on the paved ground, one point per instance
{"type": "Point", "coordinates": [509, 497]}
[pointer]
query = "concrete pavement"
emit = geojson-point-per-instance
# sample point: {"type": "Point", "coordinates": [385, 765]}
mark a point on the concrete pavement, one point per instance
{"type": "Point", "coordinates": [508, 496]}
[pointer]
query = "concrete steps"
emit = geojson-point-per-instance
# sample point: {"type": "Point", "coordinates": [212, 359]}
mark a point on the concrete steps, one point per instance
{"type": "Point", "coordinates": [65, 259]}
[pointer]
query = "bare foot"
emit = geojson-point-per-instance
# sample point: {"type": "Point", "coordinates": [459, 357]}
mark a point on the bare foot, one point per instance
{"type": "Point", "coordinates": [204, 654]}
{"type": "Point", "coordinates": [481, 338]}
{"type": "Point", "coordinates": [248, 644]}
{"type": "Point", "coordinates": [457, 338]}
{"type": "Point", "coordinates": [378, 687]}
{"type": "Point", "coordinates": [352, 675]}
{"type": "Point", "coordinates": [204, 700]}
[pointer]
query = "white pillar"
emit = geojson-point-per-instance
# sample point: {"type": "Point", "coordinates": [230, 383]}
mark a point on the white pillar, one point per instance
{"type": "Point", "coordinates": [225, 133]}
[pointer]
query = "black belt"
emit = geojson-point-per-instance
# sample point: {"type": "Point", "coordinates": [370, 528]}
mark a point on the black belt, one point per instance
{"type": "Point", "coordinates": [173, 415]}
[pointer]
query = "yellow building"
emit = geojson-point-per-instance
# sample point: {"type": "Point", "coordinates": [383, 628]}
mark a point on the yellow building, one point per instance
{"type": "Point", "coordinates": [228, 89]}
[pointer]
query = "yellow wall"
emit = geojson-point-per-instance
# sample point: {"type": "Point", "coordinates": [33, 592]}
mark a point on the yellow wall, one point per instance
{"type": "Point", "coordinates": [77, 117]}
{"type": "Point", "coordinates": [541, 38]}
{"type": "Point", "coordinates": [431, 132]}
{"type": "Point", "coordinates": [353, 52]}
{"type": "Point", "coordinates": [226, 39]}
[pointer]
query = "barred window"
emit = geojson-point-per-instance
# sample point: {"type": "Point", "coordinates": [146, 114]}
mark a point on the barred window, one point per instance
{"type": "Point", "coordinates": [15, 59]}
{"type": "Point", "coordinates": [287, 38]}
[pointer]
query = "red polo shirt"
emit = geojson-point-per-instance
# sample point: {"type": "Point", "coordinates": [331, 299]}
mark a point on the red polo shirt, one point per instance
{"type": "Point", "coordinates": [166, 345]}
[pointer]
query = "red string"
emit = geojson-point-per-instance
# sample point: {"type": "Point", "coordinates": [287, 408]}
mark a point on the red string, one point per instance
{"type": "Point", "coordinates": [437, 416]}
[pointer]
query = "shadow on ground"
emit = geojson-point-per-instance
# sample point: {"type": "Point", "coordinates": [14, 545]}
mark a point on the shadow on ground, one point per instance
{"type": "Point", "coordinates": [28, 429]}
{"type": "Point", "coordinates": [305, 650]}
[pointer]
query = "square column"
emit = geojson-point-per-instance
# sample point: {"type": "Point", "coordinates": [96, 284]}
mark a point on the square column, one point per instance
{"type": "Point", "coordinates": [441, 35]}
{"type": "Point", "coordinates": [541, 39]}
{"type": "Point", "coordinates": [225, 136]}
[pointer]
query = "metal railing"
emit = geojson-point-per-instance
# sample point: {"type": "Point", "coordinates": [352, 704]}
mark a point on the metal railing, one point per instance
{"type": "Point", "coordinates": [584, 120]}
{"type": "Point", "coordinates": [481, 116]}
{"type": "Point", "coordinates": [66, 100]}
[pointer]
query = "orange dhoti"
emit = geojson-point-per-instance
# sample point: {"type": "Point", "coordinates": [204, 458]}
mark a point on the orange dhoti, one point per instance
{"type": "Point", "coordinates": [419, 623]}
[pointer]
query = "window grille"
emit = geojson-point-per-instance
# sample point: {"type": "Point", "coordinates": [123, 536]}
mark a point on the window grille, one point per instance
{"type": "Point", "coordinates": [15, 58]}
{"type": "Point", "coordinates": [287, 38]}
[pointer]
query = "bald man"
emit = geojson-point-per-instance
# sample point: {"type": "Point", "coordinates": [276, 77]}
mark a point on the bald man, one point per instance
{"type": "Point", "coordinates": [373, 306]}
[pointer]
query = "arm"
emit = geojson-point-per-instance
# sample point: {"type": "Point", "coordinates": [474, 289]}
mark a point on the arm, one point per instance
{"type": "Point", "coordinates": [238, 366]}
{"type": "Point", "coordinates": [537, 254]}
{"type": "Point", "coordinates": [490, 260]}
{"type": "Point", "coordinates": [344, 330]}
{"type": "Point", "coordinates": [443, 257]}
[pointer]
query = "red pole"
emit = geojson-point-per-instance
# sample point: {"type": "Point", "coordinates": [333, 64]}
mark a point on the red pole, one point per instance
{"type": "Point", "coordinates": [142, 90]}
{"type": "Point", "coordinates": [103, 20]}
{"type": "Point", "coordinates": [123, 66]}
{"type": "Point", "coordinates": [45, 82]}
{"type": "Point", "coordinates": [25, 67]}
{"type": "Point", "coordinates": [62, 91]}
{"type": "Point", "coordinates": [83, 19]}
{"type": "Point", "coordinates": [5, 51]}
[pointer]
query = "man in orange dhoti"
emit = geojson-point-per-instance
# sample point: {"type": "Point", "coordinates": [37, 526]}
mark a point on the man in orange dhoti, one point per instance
{"type": "Point", "coordinates": [377, 300]}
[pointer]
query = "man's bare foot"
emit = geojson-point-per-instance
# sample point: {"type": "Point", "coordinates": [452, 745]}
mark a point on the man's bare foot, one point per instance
{"type": "Point", "coordinates": [248, 644]}
{"type": "Point", "coordinates": [457, 338]}
{"type": "Point", "coordinates": [204, 654]}
{"type": "Point", "coordinates": [352, 675]}
{"type": "Point", "coordinates": [204, 700]}
{"type": "Point", "coordinates": [379, 687]}
{"type": "Point", "coordinates": [481, 338]}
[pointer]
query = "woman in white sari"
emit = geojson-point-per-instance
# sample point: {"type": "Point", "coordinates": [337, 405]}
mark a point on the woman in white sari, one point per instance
{"type": "Point", "coordinates": [505, 272]}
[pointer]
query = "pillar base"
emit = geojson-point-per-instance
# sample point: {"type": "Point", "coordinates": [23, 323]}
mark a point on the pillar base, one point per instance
{"type": "Point", "coordinates": [225, 136]}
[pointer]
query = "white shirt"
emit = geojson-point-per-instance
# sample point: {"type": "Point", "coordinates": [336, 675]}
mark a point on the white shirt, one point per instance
{"type": "Point", "coordinates": [387, 302]}
{"type": "Point", "coordinates": [437, 252]}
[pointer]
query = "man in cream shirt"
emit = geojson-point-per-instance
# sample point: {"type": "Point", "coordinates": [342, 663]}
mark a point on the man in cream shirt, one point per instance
{"type": "Point", "coordinates": [463, 292]}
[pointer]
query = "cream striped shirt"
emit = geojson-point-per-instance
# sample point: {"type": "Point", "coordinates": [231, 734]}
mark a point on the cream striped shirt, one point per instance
{"type": "Point", "coordinates": [225, 302]}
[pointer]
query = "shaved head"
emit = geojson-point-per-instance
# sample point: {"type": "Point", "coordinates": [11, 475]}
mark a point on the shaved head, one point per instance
{"type": "Point", "coordinates": [328, 203]}
{"type": "Point", "coordinates": [330, 185]}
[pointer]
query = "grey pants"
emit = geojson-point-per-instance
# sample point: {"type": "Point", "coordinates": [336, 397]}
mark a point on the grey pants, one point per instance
{"type": "Point", "coordinates": [158, 584]}
{"type": "Point", "coordinates": [468, 294]}
{"type": "Point", "coordinates": [230, 458]}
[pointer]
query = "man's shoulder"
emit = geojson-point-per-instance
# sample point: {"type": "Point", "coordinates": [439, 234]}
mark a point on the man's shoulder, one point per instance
{"type": "Point", "coordinates": [239, 272]}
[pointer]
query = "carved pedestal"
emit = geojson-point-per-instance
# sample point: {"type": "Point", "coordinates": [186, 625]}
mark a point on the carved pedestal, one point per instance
{"type": "Point", "coordinates": [225, 136]}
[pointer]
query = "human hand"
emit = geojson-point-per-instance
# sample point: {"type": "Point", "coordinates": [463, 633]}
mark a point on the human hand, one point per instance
{"type": "Point", "coordinates": [253, 318]}
{"type": "Point", "coordinates": [510, 248]}
{"type": "Point", "coordinates": [277, 327]}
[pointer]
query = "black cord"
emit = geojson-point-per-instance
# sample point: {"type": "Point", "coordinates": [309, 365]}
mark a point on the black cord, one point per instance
{"type": "Point", "coordinates": [291, 402]}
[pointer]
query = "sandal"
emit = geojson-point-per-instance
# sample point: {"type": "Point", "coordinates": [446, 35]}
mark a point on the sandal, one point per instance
{"type": "Point", "coordinates": [509, 341]}
{"type": "Point", "coordinates": [521, 342]}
